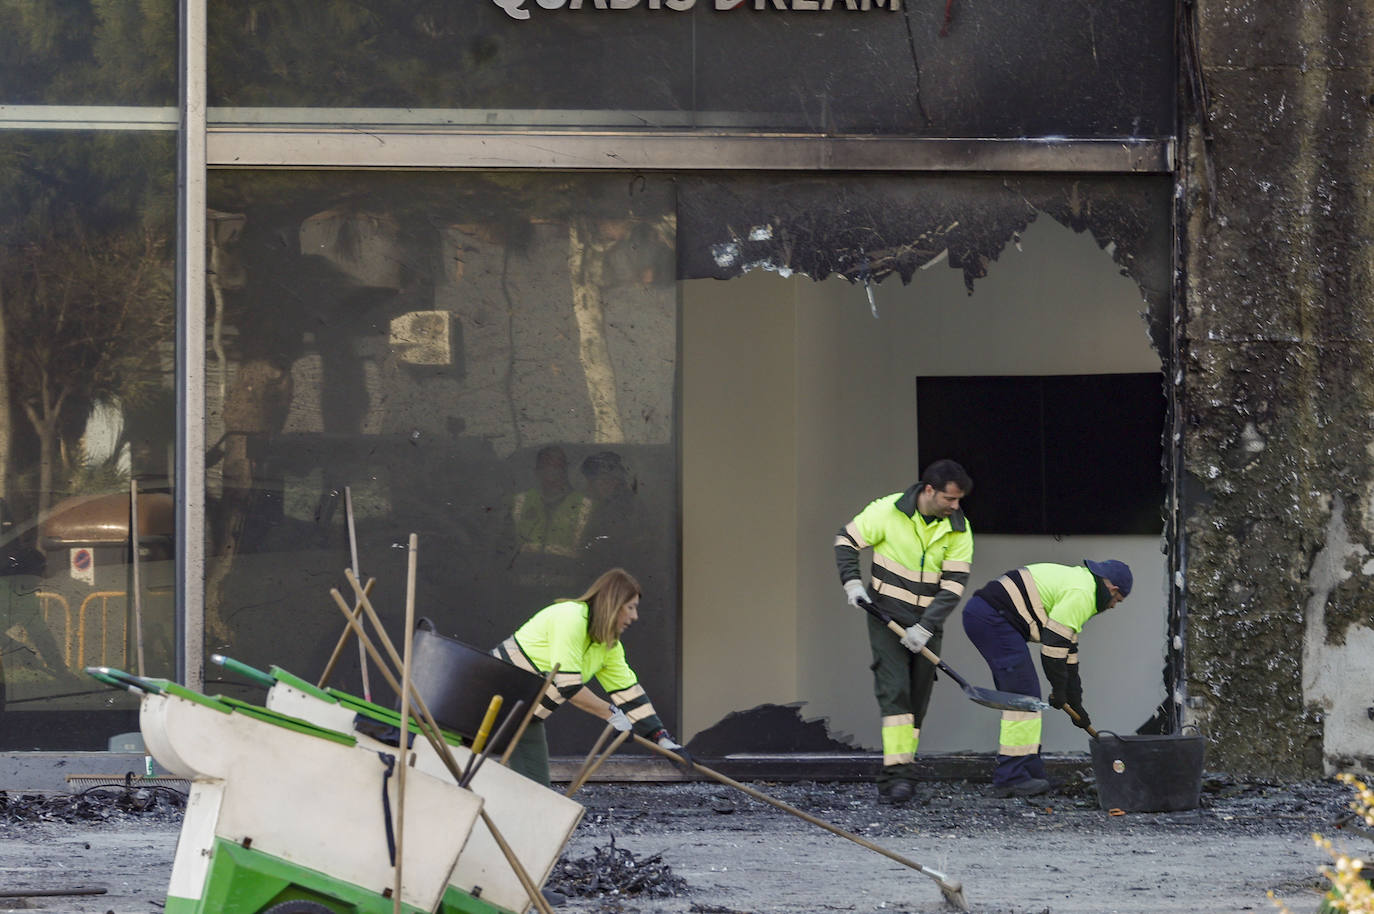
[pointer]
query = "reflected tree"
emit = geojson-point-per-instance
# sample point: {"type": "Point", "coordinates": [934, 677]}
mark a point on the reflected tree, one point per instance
{"type": "Point", "coordinates": [83, 222]}
{"type": "Point", "coordinates": [310, 269]}
{"type": "Point", "coordinates": [87, 319]}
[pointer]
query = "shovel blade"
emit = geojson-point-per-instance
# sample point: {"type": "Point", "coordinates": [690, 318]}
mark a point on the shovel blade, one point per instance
{"type": "Point", "coordinates": [1005, 701]}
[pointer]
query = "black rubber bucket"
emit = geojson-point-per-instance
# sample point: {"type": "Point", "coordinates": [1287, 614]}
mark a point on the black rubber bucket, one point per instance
{"type": "Point", "coordinates": [1148, 773]}
{"type": "Point", "coordinates": [457, 682]}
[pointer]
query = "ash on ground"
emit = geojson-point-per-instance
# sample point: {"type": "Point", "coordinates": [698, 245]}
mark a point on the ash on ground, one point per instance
{"type": "Point", "coordinates": [116, 804]}
{"type": "Point", "coordinates": [612, 872]}
{"type": "Point", "coordinates": [1228, 805]}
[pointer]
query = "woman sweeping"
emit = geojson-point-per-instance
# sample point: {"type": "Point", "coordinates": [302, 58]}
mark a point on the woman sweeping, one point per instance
{"type": "Point", "coordinates": [582, 636]}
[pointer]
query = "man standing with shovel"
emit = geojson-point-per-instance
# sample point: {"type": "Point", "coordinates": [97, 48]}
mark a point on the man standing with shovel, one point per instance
{"type": "Point", "coordinates": [922, 557]}
{"type": "Point", "coordinates": [1047, 603]}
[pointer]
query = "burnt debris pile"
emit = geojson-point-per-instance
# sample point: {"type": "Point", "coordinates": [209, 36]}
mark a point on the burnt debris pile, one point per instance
{"type": "Point", "coordinates": [615, 871]}
{"type": "Point", "coordinates": [102, 803]}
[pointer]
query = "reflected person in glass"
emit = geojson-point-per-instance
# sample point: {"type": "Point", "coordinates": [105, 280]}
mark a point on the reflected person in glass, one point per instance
{"type": "Point", "coordinates": [550, 524]}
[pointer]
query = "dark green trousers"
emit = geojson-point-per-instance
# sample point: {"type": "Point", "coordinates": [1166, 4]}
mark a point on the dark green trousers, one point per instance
{"type": "Point", "coordinates": [530, 756]}
{"type": "Point", "coordinates": [902, 683]}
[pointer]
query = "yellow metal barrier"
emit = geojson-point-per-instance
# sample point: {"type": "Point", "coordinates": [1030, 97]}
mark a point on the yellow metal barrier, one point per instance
{"type": "Point", "coordinates": [46, 599]}
{"type": "Point", "coordinates": [104, 596]}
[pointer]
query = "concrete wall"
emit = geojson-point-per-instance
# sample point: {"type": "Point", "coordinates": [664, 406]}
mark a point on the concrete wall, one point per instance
{"type": "Point", "coordinates": [786, 383]}
{"type": "Point", "coordinates": [739, 483]}
{"type": "Point", "coordinates": [1275, 382]}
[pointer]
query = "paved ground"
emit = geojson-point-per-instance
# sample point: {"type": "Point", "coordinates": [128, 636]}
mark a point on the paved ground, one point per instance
{"type": "Point", "coordinates": [711, 849]}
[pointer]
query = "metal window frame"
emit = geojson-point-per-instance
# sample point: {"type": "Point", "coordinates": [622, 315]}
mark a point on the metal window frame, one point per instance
{"type": "Point", "coordinates": [189, 485]}
{"type": "Point", "coordinates": [270, 146]}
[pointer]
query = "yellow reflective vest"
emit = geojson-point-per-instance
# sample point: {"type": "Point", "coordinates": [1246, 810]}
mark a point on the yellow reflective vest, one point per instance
{"type": "Point", "coordinates": [920, 567]}
{"type": "Point", "coordinates": [561, 634]}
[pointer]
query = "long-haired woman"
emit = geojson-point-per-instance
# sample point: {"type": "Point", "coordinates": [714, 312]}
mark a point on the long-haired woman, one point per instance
{"type": "Point", "coordinates": [582, 636]}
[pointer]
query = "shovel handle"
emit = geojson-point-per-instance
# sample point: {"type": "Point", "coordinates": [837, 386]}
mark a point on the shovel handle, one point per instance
{"type": "Point", "coordinates": [900, 632]}
{"type": "Point", "coordinates": [1074, 714]}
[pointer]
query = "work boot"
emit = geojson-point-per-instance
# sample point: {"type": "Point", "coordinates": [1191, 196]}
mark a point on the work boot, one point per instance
{"type": "Point", "coordinates": [1030, 787]}
{"type": "Point", "coordinates": [555, 899]}
{"type": "Point", "coordinates": [895, 793]}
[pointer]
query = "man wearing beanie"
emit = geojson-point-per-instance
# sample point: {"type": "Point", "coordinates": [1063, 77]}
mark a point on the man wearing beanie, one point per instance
{"type": "Point", "coordinates": [1046, 603]}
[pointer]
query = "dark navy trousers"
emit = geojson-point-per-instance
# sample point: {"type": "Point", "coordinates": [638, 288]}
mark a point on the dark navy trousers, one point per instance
{"type": "Point", "coordinates": [1013, 670]}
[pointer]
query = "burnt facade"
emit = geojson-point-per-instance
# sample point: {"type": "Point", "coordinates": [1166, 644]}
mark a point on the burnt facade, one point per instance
{"type": "Point", "coordinates": [1274, 335]}
{"type": "Point", "coordinates": [414, 248]}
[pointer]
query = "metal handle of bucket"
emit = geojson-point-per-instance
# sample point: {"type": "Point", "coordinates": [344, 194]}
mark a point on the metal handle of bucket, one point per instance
{"type": "Point", "coordinates": [424, 623]}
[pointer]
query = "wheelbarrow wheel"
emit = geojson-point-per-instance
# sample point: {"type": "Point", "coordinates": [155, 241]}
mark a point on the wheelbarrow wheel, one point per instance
{"type": "Point", "coordinates": [298, 906]}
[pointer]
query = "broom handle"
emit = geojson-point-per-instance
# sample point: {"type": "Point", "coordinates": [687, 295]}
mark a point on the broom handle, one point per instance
{"type": "Point", "coordinates": [353, 553]}
{"type": "Point", "coordinates": [343, 640]}
{"type": "Point", "coordinates": [765, 798]}
{"type": "Point", "coordinates": [586, 774]}
{"type": "Point", "coordinates": [591, 756]}
{"type": "Point", "coordinates": [403, 742]}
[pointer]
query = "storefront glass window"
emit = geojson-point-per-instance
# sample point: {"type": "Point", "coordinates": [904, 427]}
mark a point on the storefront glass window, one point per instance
{"type": "Point", "coordinates": [486, 361]}
{"type": "Point", "coordinates": [86, 334]}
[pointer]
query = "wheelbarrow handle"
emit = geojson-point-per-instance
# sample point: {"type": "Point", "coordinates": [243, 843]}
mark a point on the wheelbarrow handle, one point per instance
{"type": "Point", "coordinates": [900, 632]}
{"type": "Point", "coordinates": [121, 679]}
{"type": "Point", "coordinates": [266, 680]}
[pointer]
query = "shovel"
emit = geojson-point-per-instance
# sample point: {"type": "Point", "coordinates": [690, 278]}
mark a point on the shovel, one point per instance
{"type": "Point", "coordinates": [989, 698]}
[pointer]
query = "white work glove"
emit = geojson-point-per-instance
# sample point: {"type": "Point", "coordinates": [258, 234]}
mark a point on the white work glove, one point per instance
{"type": "Point", "coordinates": [854, 592]}
{"type": "Point", "coordinates": [619, 720]}
{"type": "Point", "coordinates": [915, 638]}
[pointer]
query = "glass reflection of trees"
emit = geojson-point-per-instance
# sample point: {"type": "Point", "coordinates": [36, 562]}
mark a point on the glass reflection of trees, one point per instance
{"type": "Point", "coordinates": [87, 318]}
{"type": "Point", "coordinates": [415, 340]}
{"type": "Point", "coordinates": [87, 52]}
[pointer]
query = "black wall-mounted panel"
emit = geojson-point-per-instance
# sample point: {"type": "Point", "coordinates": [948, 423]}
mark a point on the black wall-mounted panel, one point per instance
{"type": "Point", "coordinates": [1051, 454]}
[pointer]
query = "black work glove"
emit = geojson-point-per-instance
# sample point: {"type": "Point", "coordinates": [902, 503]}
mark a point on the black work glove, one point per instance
{"type": "Point", "coordinates": [665, 741]}
{"type": "Point", "coordinates": [1056, 700]}
{"type": "Point", "coordinates": [688, 764]}
{"type": "Point", "coordinates": [1082, 721]}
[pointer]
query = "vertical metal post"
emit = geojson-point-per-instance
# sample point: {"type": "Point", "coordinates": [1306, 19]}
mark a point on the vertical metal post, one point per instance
{"type": "Point", "coordinates": [190, 368]}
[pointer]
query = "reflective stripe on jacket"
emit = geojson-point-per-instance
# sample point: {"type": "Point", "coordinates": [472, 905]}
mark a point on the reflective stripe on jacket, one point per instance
{"type": "Point", "coordinates": [560, 634]}
{"type": "Point", "coordinates": [1048, 603]}
{"type": "Point", "coordinates": [920, 569]}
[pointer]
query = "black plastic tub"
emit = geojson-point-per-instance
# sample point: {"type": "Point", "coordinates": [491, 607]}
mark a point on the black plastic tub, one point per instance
{"type": "Point", "coordinates": [457, 682]}
{"type": "Point", "coordinates": [1148, 773]}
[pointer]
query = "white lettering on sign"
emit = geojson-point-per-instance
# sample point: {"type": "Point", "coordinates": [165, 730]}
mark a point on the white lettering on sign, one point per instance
{"type": "Point", "coordinates": [520, 9]}
{"type": "Point", "coordinates": [802, 5]}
